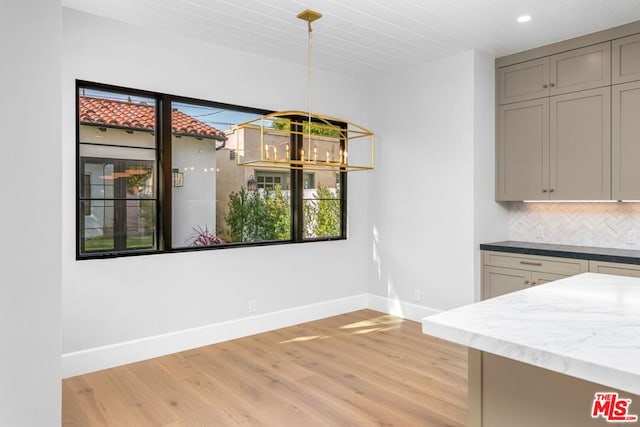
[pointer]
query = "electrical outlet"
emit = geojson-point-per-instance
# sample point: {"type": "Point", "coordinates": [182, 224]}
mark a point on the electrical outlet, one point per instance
{"type": "Point", "coordinates": [252, 306]}
{"type": "Point", "coordinates": [631, 237]}
{"type": "Point", "coordinates": [540, 232]}
{"type": "Point", "coordinates": [416, 295]}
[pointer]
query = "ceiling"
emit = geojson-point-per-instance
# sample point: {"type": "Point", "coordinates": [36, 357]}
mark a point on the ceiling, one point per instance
{"type": "Point", "coordinates": [370, 37]}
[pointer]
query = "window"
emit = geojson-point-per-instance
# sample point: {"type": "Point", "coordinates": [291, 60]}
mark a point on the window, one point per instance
{"type": "Point", "coordinates": [159, 173]}
{"type": "Point", "coordinates": [267, 180]}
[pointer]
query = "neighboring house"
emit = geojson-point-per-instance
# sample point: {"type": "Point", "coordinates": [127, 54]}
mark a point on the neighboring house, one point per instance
{"type": "Point", "coordinates": [140, 116]}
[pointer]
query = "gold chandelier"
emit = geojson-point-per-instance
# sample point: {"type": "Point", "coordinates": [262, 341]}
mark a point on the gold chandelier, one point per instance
{"type": "Point", "coordinates": [302, 139]}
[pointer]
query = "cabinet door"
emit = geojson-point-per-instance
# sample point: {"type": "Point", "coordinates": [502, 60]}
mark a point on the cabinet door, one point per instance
{"type": "Point", "coordinates": [541, 278]}
{"type": "Point", "coordinates": [631, 270]}
{"type": "Point", "coordinates": [499, 281]}
{"type": "Point", "coordinates": [523, 150]}
{"type": "Point", "coordinates": [625, 141]}
{"type": "Point", "coordinates": [625, 59]}
{"type": "Point", "coordinates": [580, 141]}
{"type": "Point", "coordinates": [580, 69]}
{"type": "Point", "coordinates": [521, 82]}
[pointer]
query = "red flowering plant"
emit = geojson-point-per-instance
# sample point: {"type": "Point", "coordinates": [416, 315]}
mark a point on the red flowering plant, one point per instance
{"type": "Point", "coordinates": [203, 237]}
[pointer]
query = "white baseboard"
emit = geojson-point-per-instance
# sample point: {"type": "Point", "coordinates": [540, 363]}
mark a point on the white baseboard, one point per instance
{"type": "Point", "coordinates": [98, 358]}
{"type": "Point", "coordinates": [398, 308]}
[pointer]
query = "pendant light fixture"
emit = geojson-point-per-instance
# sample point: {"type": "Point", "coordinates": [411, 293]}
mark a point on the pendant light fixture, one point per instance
{"type": "Point", "coordinates": [303, 139]}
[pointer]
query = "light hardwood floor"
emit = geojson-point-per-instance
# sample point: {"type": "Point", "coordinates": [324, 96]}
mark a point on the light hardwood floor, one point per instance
{"type": "Point", "coordinates": [359, 369]}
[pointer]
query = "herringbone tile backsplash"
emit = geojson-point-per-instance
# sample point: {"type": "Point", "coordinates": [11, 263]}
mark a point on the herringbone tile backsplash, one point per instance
{"type": "Point", "coordinates": [587, 224]}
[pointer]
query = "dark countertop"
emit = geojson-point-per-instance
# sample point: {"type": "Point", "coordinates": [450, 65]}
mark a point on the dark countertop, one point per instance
{"type": "Point", "coordinates": [626, 256]}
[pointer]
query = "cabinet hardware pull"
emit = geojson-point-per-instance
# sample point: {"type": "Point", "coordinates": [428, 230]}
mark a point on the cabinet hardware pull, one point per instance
{"type": "Point", "coordinates": [553, 85]}
{"type": "Point", "coordinates": [534, 283]}
{"type": "Point", "coordinates": [544, 86]}
{"type": "Point", "coordinates": [531, 263]}
{"type": "Point", "coordinates": [526, 282]}
{"type": "Point", "coordinates": [551, 190]}
{"type": "Point", "coordinates": [544, 190]}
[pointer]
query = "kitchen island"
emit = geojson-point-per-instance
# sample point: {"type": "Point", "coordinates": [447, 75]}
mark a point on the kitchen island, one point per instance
{"type": "Point", "coordinates": [538, 356]}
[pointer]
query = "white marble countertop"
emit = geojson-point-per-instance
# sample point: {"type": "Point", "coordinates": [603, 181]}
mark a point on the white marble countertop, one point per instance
{"type": "Point", "coordinates": [586, 326]}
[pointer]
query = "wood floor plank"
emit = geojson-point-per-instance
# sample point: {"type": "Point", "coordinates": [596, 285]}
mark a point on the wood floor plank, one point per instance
{"type": "Point", "coordinates": [358, 369]}
{"type": "Point", "coordinates": [254, 387]}
{"type": "Point", "coordinates": [387, 381]}
{"type": "Point", "coordinates": [176, 394]}
{"type": "Point", "coordinates": [115, 397]}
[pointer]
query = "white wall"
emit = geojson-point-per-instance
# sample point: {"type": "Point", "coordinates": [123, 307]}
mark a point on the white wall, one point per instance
{"type": "Point", "coordinates": [491, 219]}
{"type": "Point", "coordinates": [115, 300]}
{"type": "Point", "coordinates": [423, 203]}
{"type": "Point", "coordinates": [30, 35]}
{"type": "Point", "coordinates": [194, 204]}
{"type": "Point", "coordinates": [433, 201]}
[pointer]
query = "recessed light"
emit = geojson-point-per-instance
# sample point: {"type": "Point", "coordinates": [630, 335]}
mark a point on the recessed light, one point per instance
{"type": "Point", "coordinates": [524, 18]}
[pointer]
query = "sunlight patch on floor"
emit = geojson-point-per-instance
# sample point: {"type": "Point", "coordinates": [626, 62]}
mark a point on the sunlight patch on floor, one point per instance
{"type": "Point", "coordinates": [307, 338]}
{"type": "Point", "coordinates": [374, 322]}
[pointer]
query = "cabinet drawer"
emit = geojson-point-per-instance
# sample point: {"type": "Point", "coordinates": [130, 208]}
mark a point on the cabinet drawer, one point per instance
{"type": "Point", "coordinates": [563, 266]}
{"type": "Point", "coordinates": [618, 269]}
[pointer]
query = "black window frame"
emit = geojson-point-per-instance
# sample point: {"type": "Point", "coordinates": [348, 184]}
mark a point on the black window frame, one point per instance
{"type": "Point", "coordinates": [163, 178]}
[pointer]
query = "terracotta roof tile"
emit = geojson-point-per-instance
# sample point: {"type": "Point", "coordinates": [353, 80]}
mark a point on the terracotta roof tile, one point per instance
{"type": "Point", "coordinates": [140, 116]}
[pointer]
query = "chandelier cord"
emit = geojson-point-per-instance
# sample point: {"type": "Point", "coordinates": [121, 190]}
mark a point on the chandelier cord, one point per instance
{"type": "Point", "coordinates": [309, 30]}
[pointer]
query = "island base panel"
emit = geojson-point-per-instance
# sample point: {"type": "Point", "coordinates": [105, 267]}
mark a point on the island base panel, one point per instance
{"type": "Point", "coordinates": [506, 393]}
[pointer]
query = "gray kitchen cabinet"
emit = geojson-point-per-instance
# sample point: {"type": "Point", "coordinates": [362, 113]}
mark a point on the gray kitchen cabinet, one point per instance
{"type": "Point", "coordinates": [625, 59]}
{"type": "Point", "coordinates": [555, 148]}
{"type": "Point", "coordinates": [523, 150]}
{"type": "Point", "coordinates": [524, 81]}
{"type": "Point", "coordinates": [618, 269]}
{"type": "Point", "coordinates": [625, 146]}
{"type": "Point", "coordinates": [580, 69]}
{"type": "Point", "coordinates": [507, 272]}
{"type": "Point", "coordinates": [498, 281]}
{"type": "Point", "coordinates": [541, 277]}
{"type": "Point", "coordinates": [574, 70]}
{"type": "Point", "coordinates": [580, 145]}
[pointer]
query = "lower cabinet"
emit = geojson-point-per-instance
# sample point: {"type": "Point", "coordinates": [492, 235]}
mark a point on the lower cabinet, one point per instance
{"type": "Point", "coordinates": [498, 280]}
{"type": "Point", "coordinates": [631, 270]}
{"type": "Point", "coordinates": [504, 272]}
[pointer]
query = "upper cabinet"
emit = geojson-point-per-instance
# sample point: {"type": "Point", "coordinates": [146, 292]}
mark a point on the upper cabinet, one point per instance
{"type": "Point", "coordinates": [580, 69]}
{"type": "Point", "coordinates": [625, 118]}
{"type": "Point", "coordinates": [524, 81]}
{"type": "Point", "coordinates": [580, 145]}
{"type": "Point", "coordinates": [555, 148]}
{"type": "Point", "coordinates": [577, 69]}
{"type": "Point", "coordinates": [523, 150]}
{"type": "Point", "coordinates": [625, 62]}
{"type": "Point", "coordinates": [568, 119]}
{"type": "Point", "coordinates": [625, 141]}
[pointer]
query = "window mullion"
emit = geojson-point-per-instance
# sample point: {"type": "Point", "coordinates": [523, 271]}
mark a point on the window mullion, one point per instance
{"type": "Point", "coordinates": [297, 187]}
{"type": "Point", "coordinates": [120, 207]}
{"type": "Point", "coordinates": [343, 204]}
{"type": "Point", "coordinates": [163, 122]}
